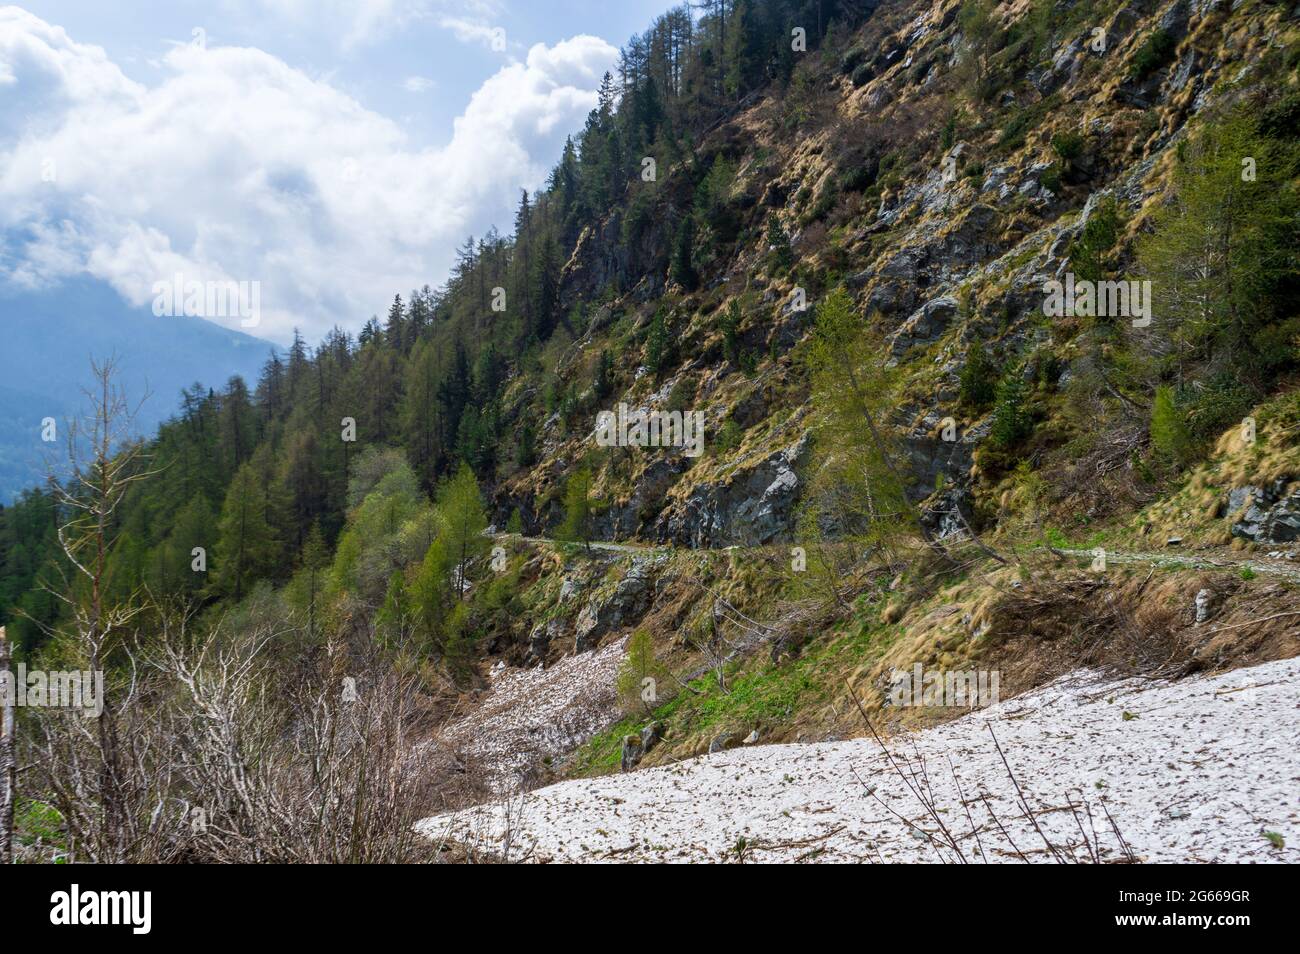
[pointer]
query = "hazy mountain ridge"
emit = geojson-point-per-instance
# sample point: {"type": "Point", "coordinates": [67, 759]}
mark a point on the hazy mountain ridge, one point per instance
{"type": "Point", "coordinates": [52, 335]}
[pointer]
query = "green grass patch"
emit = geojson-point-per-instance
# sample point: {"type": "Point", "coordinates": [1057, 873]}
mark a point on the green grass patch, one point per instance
{"type": "Point", "coordinates": [760, 694]}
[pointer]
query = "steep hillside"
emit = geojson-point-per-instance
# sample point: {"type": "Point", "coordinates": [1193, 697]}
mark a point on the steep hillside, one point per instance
{"type": "Point", "coordinates": [847, 341]}
{"type": "Point", "coordinates": [942, 163]}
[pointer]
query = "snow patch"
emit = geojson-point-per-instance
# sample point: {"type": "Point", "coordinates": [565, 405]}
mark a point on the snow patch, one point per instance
{"type": "Point", "coordinates": [530, 714]}
{"type": "Point", "coordinates": [1194, 770]}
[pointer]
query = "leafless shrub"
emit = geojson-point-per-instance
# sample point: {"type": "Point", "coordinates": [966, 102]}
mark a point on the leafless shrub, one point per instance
{"type": "Point", "coordinates": [223, 758]}
{"type": "Point", "coordinates": [953, 845]}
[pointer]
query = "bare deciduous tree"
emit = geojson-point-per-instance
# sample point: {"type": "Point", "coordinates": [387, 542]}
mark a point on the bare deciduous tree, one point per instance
{"type": "Point", "coordinates": [8, 756]}
{"type": "Point", "coordinates": [104, 461]}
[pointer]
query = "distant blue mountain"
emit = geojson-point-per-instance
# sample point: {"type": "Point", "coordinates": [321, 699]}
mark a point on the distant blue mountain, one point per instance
{"type": "Point", "coordinates": [47, 340]}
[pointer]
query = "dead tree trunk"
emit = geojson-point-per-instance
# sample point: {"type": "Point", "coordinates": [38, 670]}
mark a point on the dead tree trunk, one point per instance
{"type": "Point", "coordinates": [8, 756]}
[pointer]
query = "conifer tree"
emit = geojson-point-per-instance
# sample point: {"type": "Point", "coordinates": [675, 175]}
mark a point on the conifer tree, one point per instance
{"type": "Point", "coordinates": [1222, 252]}
{"type": "Point", "coordinates": [1169, 433]}
{"type": "Point", "coordinates": [640, 673]}
{"type": "Point", "coordinates": [578, 510]}
{"type": "Point", "coordinates": [683, 267]}
{"type": "Point", "coordinates": [432, 595]}
{"type": "Point", "coordinates": [779, 243]}
{"type": "Point", "coordinates": [460, 507]}
{"type": "Point", "coordinates": [246, 544]}
{"type": "Point", "coordinates": [658, 345]}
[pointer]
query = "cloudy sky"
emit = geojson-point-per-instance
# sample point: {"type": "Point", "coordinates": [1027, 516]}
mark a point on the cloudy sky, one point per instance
{"type": "Point", "coordinates": [335, 152]}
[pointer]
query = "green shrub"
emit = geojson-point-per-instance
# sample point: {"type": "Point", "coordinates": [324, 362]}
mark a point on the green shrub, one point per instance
{"type": "Point", "coordinates": [852, 59]}
{"type": "Point", "coordinates": [1278, 345]}
{"type": "Point", "coordinates": [1217, 403]}
{"type": "Point", "coordinates": [1021, 122]}
{"type": "Point", "coordinates": [860, 177]}
{"type": "Point", "coordinates": [728, 437]}
{"type": "Point", "coordinates": [978, 379]}
{"type": "Point", "coordinates": [1281, 118]}
{"type": "Point", "coordinates": [821, 208]}
{"type": "Point", "coordinates": [1068, 145]}
{"type": "Point", "coordinates": [1011, 422]}
{"type": "Point", "coordinates": [1157, 51]}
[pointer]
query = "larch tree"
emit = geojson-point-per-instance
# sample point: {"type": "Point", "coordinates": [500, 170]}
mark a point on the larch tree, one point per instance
{"type": "Point", "coordinates": [578, 509]}
{"type": "Point", "coordinates": [460, 506]}
{"type": "Point", "coordinates": [1221, 245]}
{"type": "Point", "coordinates": [246, 542]}
{"type": "Point", "coordinates": [860, 479]}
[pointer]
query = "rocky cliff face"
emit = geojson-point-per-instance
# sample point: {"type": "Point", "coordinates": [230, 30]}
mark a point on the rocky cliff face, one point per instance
{"type": "Point", "coordinates": [944, 220]}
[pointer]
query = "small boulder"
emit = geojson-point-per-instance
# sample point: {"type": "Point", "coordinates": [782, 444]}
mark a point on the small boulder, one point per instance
{"type": "Point", "coordinates": [636, 746]}
{"type": "Point", "coordinates": [631, 753]}
{"type": "Point", "coordinates": [650, 736]}
{"type": "Point", "coordinates": [722, 742]}
{"type": "Point", "coordinates": [1204, 601]}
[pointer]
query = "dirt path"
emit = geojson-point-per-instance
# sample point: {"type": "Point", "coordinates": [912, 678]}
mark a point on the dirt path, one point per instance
{"type": "Point", "coordinates": [1216, 560]}
{"type": "Point", "coordinates": [636, 548]}
{"type": "Point", "coordinates": [1219, 560]}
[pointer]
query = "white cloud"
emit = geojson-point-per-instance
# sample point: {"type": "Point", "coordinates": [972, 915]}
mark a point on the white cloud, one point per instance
{"type": "Point", "coordinates": [356, 23]}
{"type": "Point", "coordinates": [418, 84]}
{"type": "Point", "coordinates": [238, 167]}
{"type": "Point", "coordinates": [352, 22]}
{"type": "Point", "coordinates": [476, 30]}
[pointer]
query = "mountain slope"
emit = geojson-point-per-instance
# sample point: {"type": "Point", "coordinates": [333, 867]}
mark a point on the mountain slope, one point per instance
{"type": "Point", "coordinates": [844, 265]}
{"type": "Point", "coordinates": [52, 335]}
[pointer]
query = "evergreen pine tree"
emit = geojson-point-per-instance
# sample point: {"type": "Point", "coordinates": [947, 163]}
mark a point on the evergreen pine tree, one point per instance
{"type": "Point", "coordinates": [683, 268]}
{"type": "Point", "coordinates": [577, 525]}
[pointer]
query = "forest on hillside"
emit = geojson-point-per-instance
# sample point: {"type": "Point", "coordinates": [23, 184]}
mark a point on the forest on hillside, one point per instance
{"type": "Point", "coordinates": [259, 471]}
{"type": "Point", "coordinates": [327, 521]}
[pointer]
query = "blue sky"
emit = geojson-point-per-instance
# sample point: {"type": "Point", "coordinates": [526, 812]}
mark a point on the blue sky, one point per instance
{"type": "Point", "coordinates": [332, 152]}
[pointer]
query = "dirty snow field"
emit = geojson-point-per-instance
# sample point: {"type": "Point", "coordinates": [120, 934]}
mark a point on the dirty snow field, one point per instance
{"type": "Point", "coordinates": [1196, 770]}
{"type": "Point", "coordinates": [530, 714]}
